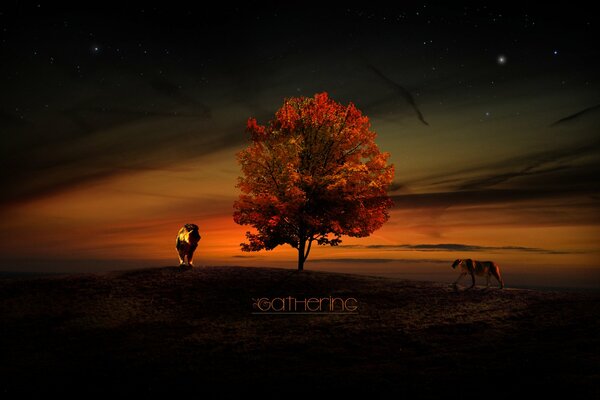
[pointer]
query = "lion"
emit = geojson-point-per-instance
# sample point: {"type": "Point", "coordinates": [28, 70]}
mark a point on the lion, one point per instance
{"type": "Point", "coordinates": [187, 241]}
{"type": "Point", "coordinates": [473, 267]}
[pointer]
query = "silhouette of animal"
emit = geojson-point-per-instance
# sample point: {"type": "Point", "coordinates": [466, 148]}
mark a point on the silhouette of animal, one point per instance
{"type": "Point", "coordinates": [473, 267]}
{"type": "Point", "coordinates": [187, 242]}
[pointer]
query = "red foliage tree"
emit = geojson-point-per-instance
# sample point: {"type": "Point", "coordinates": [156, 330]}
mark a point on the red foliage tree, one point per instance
{"type": "Point", "coordinates": [313, 174]}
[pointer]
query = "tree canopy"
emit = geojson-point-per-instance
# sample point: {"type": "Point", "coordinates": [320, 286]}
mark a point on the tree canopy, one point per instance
{"type": "Point", "coordinates": [312, 174]}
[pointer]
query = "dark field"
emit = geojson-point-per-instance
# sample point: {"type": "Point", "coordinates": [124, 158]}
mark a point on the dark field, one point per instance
{"type": "Point", "coordinates": [167, 331]}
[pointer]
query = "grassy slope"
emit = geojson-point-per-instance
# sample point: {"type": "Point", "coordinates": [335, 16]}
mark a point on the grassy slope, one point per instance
{"type": "Point", "coordinates": [168, 330]}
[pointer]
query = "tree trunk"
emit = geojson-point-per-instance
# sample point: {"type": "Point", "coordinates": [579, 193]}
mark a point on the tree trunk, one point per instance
{"type": "Point", "coordinates": [303, 252]}
{"type": "Point", "coordinates": [301, 255]}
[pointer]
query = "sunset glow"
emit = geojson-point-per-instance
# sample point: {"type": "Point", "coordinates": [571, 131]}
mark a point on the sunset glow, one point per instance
{"type": "Point", "coordinates": [495, 149]}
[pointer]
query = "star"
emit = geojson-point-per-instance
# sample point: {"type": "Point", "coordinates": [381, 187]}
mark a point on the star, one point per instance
{"type": "Point", "coordinates": [501, 59]}
{"type": "Point", "coordinates": [555, 52]}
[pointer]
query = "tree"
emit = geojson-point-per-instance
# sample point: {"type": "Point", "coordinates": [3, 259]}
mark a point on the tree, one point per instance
{"type": "Point", "coordinates": [312, 174]}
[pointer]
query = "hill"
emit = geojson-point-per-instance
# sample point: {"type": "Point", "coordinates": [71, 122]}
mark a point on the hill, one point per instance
{"type": "Point", "coordinates": [166, 330]}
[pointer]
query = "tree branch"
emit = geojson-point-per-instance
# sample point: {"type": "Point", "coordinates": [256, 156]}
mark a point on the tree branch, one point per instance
{"type": "Point", "coordinates": [308, 248]}
{"type": "Point", "coordinates": [352, 150]}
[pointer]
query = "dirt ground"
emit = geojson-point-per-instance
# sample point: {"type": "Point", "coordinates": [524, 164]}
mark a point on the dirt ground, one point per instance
{"type": "Point", "coordinates": [166, 330]}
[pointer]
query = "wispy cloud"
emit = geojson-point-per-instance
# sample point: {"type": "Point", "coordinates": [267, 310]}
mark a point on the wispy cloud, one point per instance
{"type": "Point", "coordinates": [561, 173]}
{"type": "Point", "coordinates": [551, 164]}
{"type": "Point", "coordinates": [89, 152]}
{"type": "Point", "coordinates": [454, 247]}
{"type": "Point", "coordinates": [401, 91]}
{"type": "Point", "coordinates": [379, 260]}
{"type": "Point", "coordinates": [576, 115]}
{"type": "Point", "coordinates": [566, 166]}
{"type": "Point", "coordinates": [479, 197]}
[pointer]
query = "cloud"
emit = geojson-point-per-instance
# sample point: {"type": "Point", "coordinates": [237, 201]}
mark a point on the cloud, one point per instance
{"type": "Point", "coordinates": [110, 121]}
{"type": "Point", "coordinates": [454, 247]}
{"type": "Point", "coordinates": [551, 164]}
{"type": "Point", "coordinates": [379, 260]}
{"type": "Point", "coordinates": [576, 115]}
{"type": "Point", "coordinates": [536, 163]}
{"type": "Point", "coordinates": [400, 90]}
{"type": "Point", "coordinates": [355, 260]}
{"type": "Point", "coordinates": [562, 173]}
{"type": "Point", "coordinates": [396, 187]}
{"type": "Point", "coordinates": [91, 144]}
{"type": "Point", "coordinates": [477, 197]}
{"type": "Point", "coordinates": [175, 92]}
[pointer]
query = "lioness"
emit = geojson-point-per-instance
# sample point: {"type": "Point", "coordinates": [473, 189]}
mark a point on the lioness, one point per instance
{"type": "Point", "coordinates": [187, 241]}
{"type": "Point", "coordinates": [487, 268]}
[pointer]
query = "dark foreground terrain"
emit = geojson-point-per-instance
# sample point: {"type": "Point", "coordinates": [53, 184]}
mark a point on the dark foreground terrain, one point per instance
{"type": "Point", "coordinates": [166, 330]}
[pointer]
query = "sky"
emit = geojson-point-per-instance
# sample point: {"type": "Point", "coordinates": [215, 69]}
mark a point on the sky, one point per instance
{"type": "Point", "coordinates": [118, 126]}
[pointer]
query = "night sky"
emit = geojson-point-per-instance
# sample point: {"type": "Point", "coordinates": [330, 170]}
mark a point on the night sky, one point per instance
{"type": "Point", "coordinates": [121, 124]}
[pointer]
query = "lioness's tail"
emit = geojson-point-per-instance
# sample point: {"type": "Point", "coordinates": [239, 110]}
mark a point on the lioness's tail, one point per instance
{"type": "Point", "coordinates": [497, 275]}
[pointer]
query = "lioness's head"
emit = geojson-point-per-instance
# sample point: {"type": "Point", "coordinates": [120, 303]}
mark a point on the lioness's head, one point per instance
{"type": "Point", "coordinates": [193, 234]}
{"type": "Point", "coordinates": [456, 263]}
{"type": "Point", "coordinates": [191, 227]}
